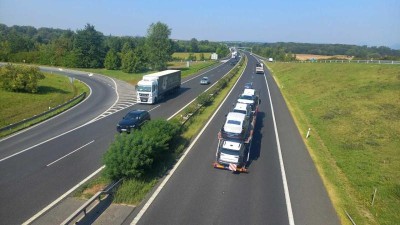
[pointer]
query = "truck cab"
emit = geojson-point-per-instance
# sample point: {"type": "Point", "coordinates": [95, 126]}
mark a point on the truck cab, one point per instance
{"type": "Point", "coordinates": [147, 90]}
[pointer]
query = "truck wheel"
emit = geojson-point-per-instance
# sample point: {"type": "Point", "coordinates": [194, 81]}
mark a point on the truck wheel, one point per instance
{"type": "Point", "coordinates": [155, 100]}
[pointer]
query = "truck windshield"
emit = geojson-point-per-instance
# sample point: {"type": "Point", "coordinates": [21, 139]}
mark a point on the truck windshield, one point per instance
{"type": "Point", "coordinates": [145, 88]}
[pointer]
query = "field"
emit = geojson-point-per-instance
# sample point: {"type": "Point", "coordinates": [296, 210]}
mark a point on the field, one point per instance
{"type": "Point", "coordinates": [353, 111]}
{"type": "Point", "coordinates": [318, 57]}
{"type": "Point", "coordinates": [184, 55]}
{"type": "Point", "coordinates": [54, 90]}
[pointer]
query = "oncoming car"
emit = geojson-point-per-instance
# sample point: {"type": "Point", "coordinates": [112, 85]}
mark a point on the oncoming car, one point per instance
{"type": "Point", "coordinates": [133, 120]}
{"type": "Point", "coordinates": [205, 80]}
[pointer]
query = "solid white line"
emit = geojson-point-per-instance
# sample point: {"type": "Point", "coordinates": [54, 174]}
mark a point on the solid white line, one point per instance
{"type": "Point", "coordinates": [159, 188]}
{"type": "Point", "coordinates": [70, 153]}
{"type": "Point", "coordinates": [37, 215]}
{"type": "Point", "coordinates": [283, 173]}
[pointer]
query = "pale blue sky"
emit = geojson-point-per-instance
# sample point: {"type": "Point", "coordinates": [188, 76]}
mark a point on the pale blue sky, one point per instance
{"type": "Point", "coordinates": [361, 22]}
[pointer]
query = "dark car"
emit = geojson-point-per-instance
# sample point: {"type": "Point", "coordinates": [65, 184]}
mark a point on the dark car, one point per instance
{"type": "Point", "coordinates": [134, 119]}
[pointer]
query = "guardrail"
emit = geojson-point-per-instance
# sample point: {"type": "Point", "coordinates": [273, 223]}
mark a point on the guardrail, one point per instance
{"type": "Point", "coordinates": [83, 209]}
{"type": "Point", "coordinates": [11, 126]}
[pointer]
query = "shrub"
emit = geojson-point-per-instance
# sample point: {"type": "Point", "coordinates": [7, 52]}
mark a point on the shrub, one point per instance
{"type": "Point", "coordinates": [133, 155]}
{"type": "Point", "coordinates": [20, 78]}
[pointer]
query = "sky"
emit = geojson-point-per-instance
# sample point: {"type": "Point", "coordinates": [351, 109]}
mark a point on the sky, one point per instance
{"type": "Point", "coordinates": [359, 22]}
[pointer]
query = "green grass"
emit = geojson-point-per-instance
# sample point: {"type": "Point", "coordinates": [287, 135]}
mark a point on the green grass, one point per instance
{"type": "Point", "coordinates": [185, 55]}
{"type": "Point", "coordinates": [353, 111]}
{"type": "Point", "coordinates": [54, 90]}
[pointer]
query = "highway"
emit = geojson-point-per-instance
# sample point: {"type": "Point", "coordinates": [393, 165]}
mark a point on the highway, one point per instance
{"type": "Point", "coordinates": [282, 187]}
{"type": "Point", "coordinates": [39, 165]}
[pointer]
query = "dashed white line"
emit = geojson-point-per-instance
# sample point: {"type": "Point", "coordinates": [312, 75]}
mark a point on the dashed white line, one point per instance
{"type": "Point", "coordinates": [70, 153]}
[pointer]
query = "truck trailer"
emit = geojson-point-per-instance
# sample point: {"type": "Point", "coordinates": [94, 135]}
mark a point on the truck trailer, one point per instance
{"type": "Point", "coordinates": [155, 86]}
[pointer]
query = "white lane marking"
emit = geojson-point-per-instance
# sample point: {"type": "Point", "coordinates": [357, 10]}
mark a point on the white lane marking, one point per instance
{"type": "Point", "coordinates": [283, 173]}
{"type": "Point", "coordinates": [159, 188]}
{"type": "Point", "coordinates": [51, 205]}
{"type": "Point", "coordinates": [70, 153]}
{"type": "Point", "coordinates": [154, 108]}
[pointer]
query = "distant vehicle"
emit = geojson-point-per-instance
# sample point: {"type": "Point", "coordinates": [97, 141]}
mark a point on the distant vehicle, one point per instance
{"type": "Point", "coordinates": [205, 80]}
{"type": "Point", "coordinates": [154, 87]}
{"type": "Point", "coordinates": [248, 85]}
{"type": "Point", "coordinates": [133, 120]}
{"type": "Point", "coordinates": [259, 68]}
{"type": "Point", "coordinates": [270, 59]}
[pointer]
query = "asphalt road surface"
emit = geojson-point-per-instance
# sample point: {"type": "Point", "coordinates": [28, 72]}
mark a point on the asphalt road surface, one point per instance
{"type": "Point", "coordinates": [39, 165]}
{"type": "Point", "coordinates": [196, 193]}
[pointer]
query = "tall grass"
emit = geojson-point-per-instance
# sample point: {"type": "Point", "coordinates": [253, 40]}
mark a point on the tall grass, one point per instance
{"type": "Point", "coordinates": [354, 113]}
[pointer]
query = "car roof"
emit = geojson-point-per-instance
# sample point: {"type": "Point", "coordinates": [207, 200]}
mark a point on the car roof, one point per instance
{"type": "Point", "coordinates": [231, 145]}
{"type": "Point", "coordinates": [249, 91]}
{"type": "Point", "coordinates": [241, 106]}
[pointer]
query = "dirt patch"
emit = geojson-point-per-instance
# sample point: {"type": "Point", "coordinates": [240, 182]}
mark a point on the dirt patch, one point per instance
{"type": "Point", "coordinates": [317, 57]}
{"type": "Point", "coordinates": [94, 189]}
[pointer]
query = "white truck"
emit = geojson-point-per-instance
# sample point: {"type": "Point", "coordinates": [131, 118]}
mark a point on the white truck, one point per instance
{"type": "Point", "coordinates": [155, 86]}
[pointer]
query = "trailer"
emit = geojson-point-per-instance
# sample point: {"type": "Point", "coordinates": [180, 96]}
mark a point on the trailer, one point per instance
{"type": "Point", "coordinates": [154, 87]}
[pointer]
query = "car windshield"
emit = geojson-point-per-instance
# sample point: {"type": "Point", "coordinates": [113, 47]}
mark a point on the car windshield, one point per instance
{"type": "Point", "coordinates": [246, 97]}
{"type": "Point", "coordinates": [204, 79]}
{"type": "Point", "coordinates": [230, 152]}
{"type": "Point", "coordinates": [234, 122]}
{"type": "Point", "coordinates": [144, 88]}
{"type": "Point", "coordinates": [239, 111]}
{"type": "Point", "coordinates": [132, 115]}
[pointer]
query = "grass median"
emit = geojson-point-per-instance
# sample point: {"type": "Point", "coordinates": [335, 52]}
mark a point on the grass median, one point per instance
{"type": "Point", "coordinates": [353, 111]}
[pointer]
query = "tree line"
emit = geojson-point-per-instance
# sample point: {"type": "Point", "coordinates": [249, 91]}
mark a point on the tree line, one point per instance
{"type": "Point", "coordinates": [285, 51]}
{"type": "Point", "coordinates": [89, 48]}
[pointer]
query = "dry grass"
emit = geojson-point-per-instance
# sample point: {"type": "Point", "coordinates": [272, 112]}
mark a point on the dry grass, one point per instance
{"type": "Point", "coordinates": [318, 57]}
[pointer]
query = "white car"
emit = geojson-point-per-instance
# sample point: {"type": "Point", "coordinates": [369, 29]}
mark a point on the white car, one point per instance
{"type": "Point", "coordinates": [205, 80]}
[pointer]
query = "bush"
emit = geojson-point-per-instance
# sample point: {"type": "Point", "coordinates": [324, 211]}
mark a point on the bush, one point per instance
{"type": "Point", "coordinates": [20, 78]}
{"type": "Point", "coordinates": [133, 155]}
{"type": "Point", "coordinates": [204, 99]}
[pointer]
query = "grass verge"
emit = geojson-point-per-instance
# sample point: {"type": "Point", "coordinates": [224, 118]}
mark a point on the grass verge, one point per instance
{"type": "Point", "coordinates": [353, 111]}
{"type": "Point", "coordinates": [54, 90]}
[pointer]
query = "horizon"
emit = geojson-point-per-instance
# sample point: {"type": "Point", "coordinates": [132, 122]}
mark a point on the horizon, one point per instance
{"type": "Point", "coordinates": [357, 22]}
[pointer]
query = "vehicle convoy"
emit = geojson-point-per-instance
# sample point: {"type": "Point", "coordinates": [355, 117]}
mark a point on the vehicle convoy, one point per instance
{"type": "Point", "coordinates": [133, 120]}
{"type": "Point", "coordinates": [154, 87]}
{"type": "Point", "coordinates": [235, 137]}
{"type": "Point", "coordinates": [259, 68]}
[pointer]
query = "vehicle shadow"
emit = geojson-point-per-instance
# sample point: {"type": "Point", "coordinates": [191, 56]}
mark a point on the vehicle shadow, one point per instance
{"type": "Point", "coordinates": [255, 149]}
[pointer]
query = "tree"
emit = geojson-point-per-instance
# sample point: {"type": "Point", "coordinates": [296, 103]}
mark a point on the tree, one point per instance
{"type": "Point", "coordinates": [159, 45]}
{"type": "Point", "coordinates": [194, 45]}
{"type": "Point", "coordinates": [112, 60]}
{"type": "Point", "coordinates": [20, 78]}
{"type": "Point", "coordinates": [128, 62]}
{"type": "Point", "coordinates": [88, 47]}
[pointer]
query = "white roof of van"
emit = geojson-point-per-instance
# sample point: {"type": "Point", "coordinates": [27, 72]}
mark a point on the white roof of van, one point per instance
{"type": "Point", "coordinates": [249, 92]}
{"type": "Point", "coordinates": [231, 145]}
